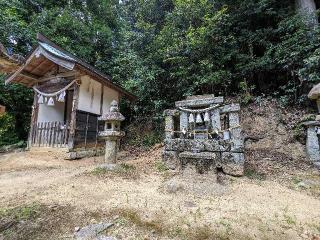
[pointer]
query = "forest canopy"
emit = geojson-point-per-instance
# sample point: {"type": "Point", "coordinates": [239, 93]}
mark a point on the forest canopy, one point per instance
{"type": "Point", "coordinates": [164, 50]}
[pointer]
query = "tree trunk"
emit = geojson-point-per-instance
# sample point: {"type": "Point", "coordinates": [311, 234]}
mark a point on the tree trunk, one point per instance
{"type": "Point", "coordinates": [308, 8]}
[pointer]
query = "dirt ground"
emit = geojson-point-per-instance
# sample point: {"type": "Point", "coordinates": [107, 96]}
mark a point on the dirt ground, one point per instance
{"type": "Point", "coordinates": [148, 202]}
{"type": "Point", "coordinates": [45, 197]}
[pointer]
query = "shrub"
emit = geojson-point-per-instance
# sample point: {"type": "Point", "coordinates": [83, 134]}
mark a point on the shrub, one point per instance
{"type": "Point", "coordinates": [7, 130]}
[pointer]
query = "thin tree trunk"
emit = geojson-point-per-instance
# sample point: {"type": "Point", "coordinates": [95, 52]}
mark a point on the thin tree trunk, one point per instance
{"type": "Point", "coordinates": [308, 8]}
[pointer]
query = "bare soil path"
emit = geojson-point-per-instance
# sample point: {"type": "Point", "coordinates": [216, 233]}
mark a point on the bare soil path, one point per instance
{"type": "Point", "coordinates": [151, 203]}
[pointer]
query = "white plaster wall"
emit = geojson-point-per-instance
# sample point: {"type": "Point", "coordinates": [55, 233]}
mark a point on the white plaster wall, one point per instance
{"type": "Point", "coordinates": [51, 113]}
{"type": "Point", "coordinates": [108, 96]}
{"type": "Point", "coordinates": [89, 95]}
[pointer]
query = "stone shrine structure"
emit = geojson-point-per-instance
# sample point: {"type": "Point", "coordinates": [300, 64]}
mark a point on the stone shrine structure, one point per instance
{"type": "Point", "coordinates": [112, 133]}
{"type": "Point", "coordinates": [205, 132]}
{"type": "Point", "coordinates": [313, 130]}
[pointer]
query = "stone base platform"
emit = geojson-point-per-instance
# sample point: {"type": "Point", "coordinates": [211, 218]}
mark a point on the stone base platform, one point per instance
{"type": "Point", "coordinates": [232, 163]}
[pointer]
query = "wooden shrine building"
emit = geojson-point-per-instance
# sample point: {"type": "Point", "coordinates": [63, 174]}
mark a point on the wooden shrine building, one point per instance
{"type": "Point", "coordinates": [70, 96]}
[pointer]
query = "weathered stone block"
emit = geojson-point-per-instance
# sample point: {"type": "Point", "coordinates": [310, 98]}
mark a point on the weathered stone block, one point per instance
{"type": "Point", "coordinates": [197, 145]}
{"type": "Point", "coordinates": [232, 157]}
{"type": "Point", "coordinates": [171, 112]}
{"type": "Point", "coordinates": [230, 108]}
{"type": "Point", "coordinates": [201, 155]}
{"type": "Point", "coordinates": [317, 165]}
{"type": "Point", "coordinates": [237, 140]}
{"type": "Point", "coordinates": [199, 102]}
{"type": "Point", "coordinates": [233, 169]}
{"type": "Point", "coordinates": [170, 158]}
{"type": "Point", "coordinates": [206, 96]}
{"type": "Point", "coordinates": [203, 162]}
{"type": "Point", "coordinates": [232, 163]}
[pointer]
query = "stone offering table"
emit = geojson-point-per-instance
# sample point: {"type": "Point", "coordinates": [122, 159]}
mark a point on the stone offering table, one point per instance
{"type": "Point", "coordinates": [204, 132]}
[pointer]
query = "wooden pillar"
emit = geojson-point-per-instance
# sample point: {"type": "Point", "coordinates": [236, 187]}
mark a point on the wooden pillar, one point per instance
{"type": "Point", "coordinates": [33, 120]}
{"type": "Point", "coordinates": [72, 125]}
{"type": "Point", "coordinates": [101, 100]}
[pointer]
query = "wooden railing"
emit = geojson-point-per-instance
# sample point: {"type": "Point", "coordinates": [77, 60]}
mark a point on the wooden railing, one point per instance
{"type": "Point", "coordinates": [50, 134]}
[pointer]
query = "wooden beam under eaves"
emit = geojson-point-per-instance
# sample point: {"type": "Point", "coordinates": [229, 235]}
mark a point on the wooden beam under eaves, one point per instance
{"type": "Point", "coordinates": [60, 75]}
{"type": "Point", "coordinates": [29, 75]}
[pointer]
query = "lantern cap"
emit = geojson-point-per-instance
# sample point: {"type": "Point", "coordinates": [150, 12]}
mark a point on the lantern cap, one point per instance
{"type": "Point", "coordinates": [113, 114]}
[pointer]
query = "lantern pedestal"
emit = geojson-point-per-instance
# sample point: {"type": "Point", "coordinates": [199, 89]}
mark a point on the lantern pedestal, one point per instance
{"type": "Point", "coordinates": [112, 138]}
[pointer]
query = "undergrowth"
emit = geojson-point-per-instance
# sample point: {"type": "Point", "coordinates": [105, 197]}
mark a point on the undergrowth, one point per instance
{"type": "Point", "coordinates": [252, 174]}
{"type": "Point", "coordinates": [122, 170]}
{"type": "Point", "coordinates": [161, 166]}
{"type": "Point", "coordinates": [20, 213]}
{"type": "Point", "coordinates": [160, 227]}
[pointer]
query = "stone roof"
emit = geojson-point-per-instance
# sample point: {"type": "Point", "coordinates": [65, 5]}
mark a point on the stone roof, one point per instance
{"type": "Point", "coordinates": [113, 116]}
{"type": "Point", "coordinates": [315, 92]}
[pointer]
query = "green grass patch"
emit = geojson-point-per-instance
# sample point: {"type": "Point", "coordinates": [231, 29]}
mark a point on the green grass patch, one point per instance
{"type": "Point", "coordinates": [252, 174]}
{"type": "Point", "coordinates": [122, 170]}
{"type": "Point", "coordinates": [99, 171]}
{"type": "Point", "coordinates": [289, 219]}
{"type": "Point", "coordinates": [161, 166]}
{"type": "Point", "coordinates": [159, 226]}
{"type": "Point", "coordinates": [21, 213]}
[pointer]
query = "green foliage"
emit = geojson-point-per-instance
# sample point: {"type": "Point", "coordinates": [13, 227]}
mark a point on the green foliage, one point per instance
{"type": "Point", "coordinates": [7, 130]}
{"type": "Point", "coordinates": [146, 140]}
{"type": "Point", "coordinates": [223, 47]}
{"type": "Point", "coordinates": [163, 50]}
{"type": "Point", "coordinates": [145, 132]}
{"type": "Point", "coordinates": [18, 101]}
{"type": "Point", "coordinates": [246, 93]}
{"type": "Point", "coordinates": [86, 28]}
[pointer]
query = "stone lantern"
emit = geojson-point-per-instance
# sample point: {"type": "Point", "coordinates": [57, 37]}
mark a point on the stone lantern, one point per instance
{"type": "Point", "coordinates": [112, 132]}
{"type": "Point", "coordinates": [313, 129]}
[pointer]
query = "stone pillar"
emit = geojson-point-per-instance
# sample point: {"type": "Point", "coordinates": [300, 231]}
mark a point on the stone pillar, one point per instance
{"type": "Point", "coordinates": [111, 151]}
{"type": "Point", "coordinates": [169, 127]}
{"type": "Point", "coordinates": [233, 163]}
{"type": "Point", "coordinates": [235, 130]}
{"type": "Point", "coordinates": [313, 150]}
{"type": "Point", "coordinates": [183, 122]}
{"type": "Point", "coordinates": [318, 104]}
{"type": "Point", "coordinates": [215, 119]}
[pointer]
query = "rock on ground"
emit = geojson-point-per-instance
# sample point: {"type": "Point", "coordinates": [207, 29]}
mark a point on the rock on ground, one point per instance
{"type": "Point", "coordinates": [92, 231]}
